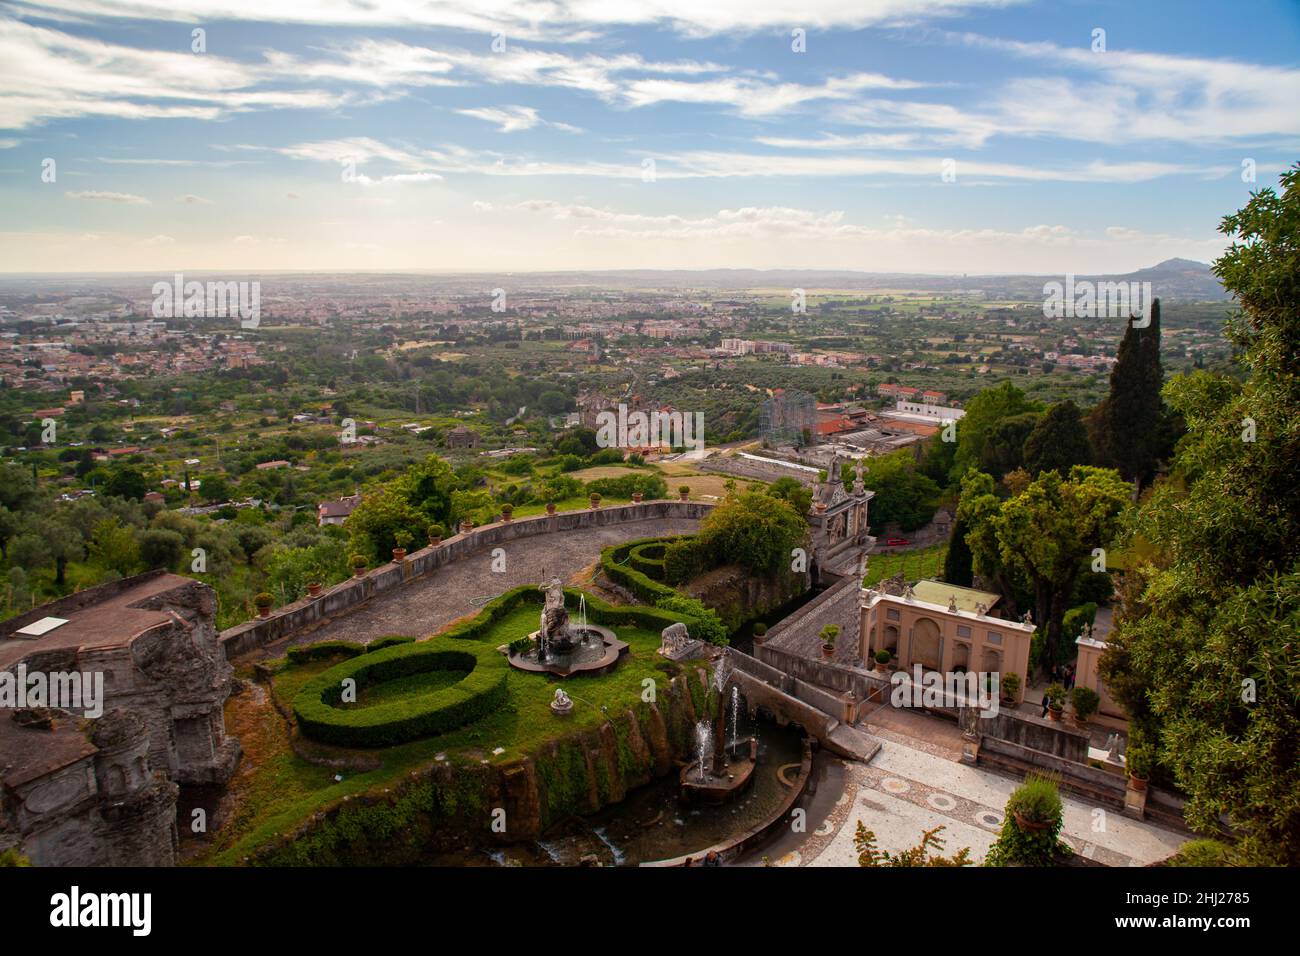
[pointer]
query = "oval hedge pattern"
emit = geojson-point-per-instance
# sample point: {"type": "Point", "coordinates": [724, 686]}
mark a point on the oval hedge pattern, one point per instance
{"type": "Point", "coordinates": [482, 691]}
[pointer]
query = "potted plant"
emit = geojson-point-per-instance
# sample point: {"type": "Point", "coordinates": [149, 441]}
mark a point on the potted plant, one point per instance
{"type": "Point", "coordinates": [1055, 701]}
{"type": "Point", "coordinates": [358, 562]}
{"type": "Point", "coordinates": [507, 512]}
{"type": "Point", "coordinates": [760, 634]}
{"type": "Point", "coordinates": [637, 496]}
{"type": "Point", "coordinates": [1085, 701]}
{"type": "Point", "coordinates": [1036, 804]}
{"type": "Point", "coordinates": [314, 589]}
{"type": "Point", "coordinates": [1009, 687]}
{"type": "Point", "coordinates": [434, 531]}
{"type": "Point", "coordinates": [883, 657]}
{"type": "Point", "coordinates": [828, 634]}
{"type": "Point", "coordinates": [595, 500]}
{"type": "Point", "coordinates": [550, 507]}
{"type": "Point", "coordinates": [466, 526]}
{"type": "Point", "coordinates": [263, 602]}
{"type": "Point", "coordinates": [403, 541]}
{"type": "Point", "coordinates": [1138, 761]}
{"type": "Point", "coordinates": [683, 492]}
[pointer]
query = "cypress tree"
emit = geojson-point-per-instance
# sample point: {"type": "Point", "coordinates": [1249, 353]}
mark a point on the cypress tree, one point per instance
{"type": "Point", "coordinates": [957, 562]}
{"type": "Point", "coordinates": [1130, 428]}
{"type": "Point", "coordinates": [1058, 441]}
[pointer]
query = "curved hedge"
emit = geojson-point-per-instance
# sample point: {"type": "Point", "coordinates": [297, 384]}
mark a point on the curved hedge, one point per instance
{"type": "Point", "coordinates": [327, 649]}
{"type": "Point", "coordinates": [482, 691]}
{"type": "Point", "coordinates": [648, 558]}
{"type": "Point", "coordinates": [619, 567]}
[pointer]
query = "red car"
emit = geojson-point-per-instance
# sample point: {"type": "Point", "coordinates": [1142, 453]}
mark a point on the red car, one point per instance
{"type": "Point", "coordinates": [892, 542]}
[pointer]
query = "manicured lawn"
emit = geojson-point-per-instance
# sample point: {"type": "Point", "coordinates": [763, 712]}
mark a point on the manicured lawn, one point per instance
{"type": "Point", "coordinates": [915, 565]}
{"type": "Point", "coordinates": [285, 790]}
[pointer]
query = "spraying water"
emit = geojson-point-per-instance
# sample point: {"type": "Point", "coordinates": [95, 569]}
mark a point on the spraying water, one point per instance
{"type": "Point", "coordinates": [703, 744]}
{"type": "Point", "coordinates": [735, 715]}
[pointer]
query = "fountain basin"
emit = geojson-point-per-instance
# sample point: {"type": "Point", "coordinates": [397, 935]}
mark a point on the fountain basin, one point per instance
{"type": "Point", "coordinates": [593, 650]}
{"type": "Point", "coordinates": [714, 788]}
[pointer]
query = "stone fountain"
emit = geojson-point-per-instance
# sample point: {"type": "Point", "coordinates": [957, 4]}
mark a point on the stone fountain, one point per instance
{"type": "Point", "coordinates": [721, 771]}
{"type": "Point", "coordinates": [562, 646]}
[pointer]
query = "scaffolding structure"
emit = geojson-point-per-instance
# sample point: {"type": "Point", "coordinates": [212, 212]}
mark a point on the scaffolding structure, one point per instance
{"type": "Point", "coordinates": [789, 417]}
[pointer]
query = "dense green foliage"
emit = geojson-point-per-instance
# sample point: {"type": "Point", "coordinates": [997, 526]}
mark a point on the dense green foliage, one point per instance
{"type": "Point", "coordinates": [1031, 827]}
{"type": "Point", "coordinates": [1203, 655]}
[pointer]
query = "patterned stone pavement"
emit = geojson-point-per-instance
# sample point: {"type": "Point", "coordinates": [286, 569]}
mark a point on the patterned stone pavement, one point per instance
{"type": "Point", "coordinates": [912, 786]}
{"type": "Point", "coordinates": [430, 603]}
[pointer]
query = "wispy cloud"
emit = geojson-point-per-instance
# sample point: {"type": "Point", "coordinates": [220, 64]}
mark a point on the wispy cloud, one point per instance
{"type": "Point", "coordinates": [95, 195]}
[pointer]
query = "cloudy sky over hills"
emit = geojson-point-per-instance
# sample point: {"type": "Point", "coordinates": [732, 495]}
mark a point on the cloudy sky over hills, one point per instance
{"type": "Point", "coordinates": [924, 136]}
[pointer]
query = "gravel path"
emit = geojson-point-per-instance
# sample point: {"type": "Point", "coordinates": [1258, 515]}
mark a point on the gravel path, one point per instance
{"type": "Point", "coordinates": [460, 588]}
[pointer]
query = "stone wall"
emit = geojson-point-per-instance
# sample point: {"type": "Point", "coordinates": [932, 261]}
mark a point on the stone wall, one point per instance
{"type": "Point", "coordinates": [347, 595]}
{"type": "Point", "coordinates": [445, 808]}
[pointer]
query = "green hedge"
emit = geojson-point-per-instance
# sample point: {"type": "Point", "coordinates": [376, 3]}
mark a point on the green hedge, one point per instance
{"type": "Point", "coordinates": [482, 691]}
{"type": "Point", "coordinates": [618, 567]}
{"type": "Point", "coordinates": [327, 649]}
{"type": "Point", "coordinates": [648, 558]}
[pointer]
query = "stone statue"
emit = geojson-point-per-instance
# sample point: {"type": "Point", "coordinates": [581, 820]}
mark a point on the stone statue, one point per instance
{"type": "Point", "coordinates": [1112, 748]}
{"type": "Point", "coordinates": [673, 637]}
{"type": "Point", "coordinates": [952, 604]}
{"type": "Point", "coordinates": [554, 632]}
{"type": "Point", "coordinates": [1027, 617]}
{"type": "Point", "coordinates": [561, 705]}
{"type": "Point", "coordinates": [968, 719]}
{"type": "Point", "coordinates": [982, 609]}
{"type": "Point", "coordinates": [909, 594]}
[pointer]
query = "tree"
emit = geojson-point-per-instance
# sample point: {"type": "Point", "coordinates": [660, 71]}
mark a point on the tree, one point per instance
{"type": "Point", "coordinates": [113, 546]}
{"type": "Point", "coordinates": [793, 491]}
{"type": "Point", "coordinates": [1004, 445]}
{"type": "Point", "coordinates": [957, 567]}
{"type": "Point", "coordinates": [161, 548]}
{"type": "Point", "coordinates": [983, 412]}
{"type": "Point", "coordinates": [1204, 648]}
{"type": "Point", "coordinates": [125, 483]}
{"type": "Point", "coordinates": [1058, 442]}
{"type": "Point", "coordinates": [864, 841]}
{"type": "Point", "coordinates": [903, 494]}
{"type": "Point", "coordinates": [1130, 428]}
{"type": "Point", "coordinates": [1046, 535]}
{"type": "Point", "coordinates": [754, 530]}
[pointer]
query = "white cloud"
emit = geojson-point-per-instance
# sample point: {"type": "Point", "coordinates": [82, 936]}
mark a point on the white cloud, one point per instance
{"type": "Point", "coordinates": [573, 20]}
{"type": "Point", "coordinates": [512, 119]}
{"type": "Point", "coordinates": [99, 196]}
{"type": "Point", "coordinates": [192, 200]}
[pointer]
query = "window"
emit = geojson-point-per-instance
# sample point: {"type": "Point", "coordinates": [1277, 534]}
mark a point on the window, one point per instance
{"type": "Point", "coordinates": [891, 614]}
{"type": "Point", "coordinates": [963, 630]}
{"type": "Point", "coordinates": [995, 638]}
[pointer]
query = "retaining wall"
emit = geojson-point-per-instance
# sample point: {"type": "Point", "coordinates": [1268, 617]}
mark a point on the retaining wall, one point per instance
{"type": "Point", "coordinates": [347, 595]}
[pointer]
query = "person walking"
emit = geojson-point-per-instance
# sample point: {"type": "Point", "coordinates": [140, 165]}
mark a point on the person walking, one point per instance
{"type": "Point", "coordinates": [1046, 701]}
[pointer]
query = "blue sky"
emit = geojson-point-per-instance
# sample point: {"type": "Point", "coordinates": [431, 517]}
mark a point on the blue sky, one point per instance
{"type": "Point", "coordinates": [390, 134]}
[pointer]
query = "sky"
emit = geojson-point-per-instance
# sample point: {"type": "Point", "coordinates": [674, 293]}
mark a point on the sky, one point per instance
{"type": "Point", "coordinates": [928, 136]}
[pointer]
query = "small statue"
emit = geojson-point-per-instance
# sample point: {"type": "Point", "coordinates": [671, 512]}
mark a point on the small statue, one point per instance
{"type": "Point", "coordinates": [981, 609]}
{"type": "Point", "coordinates": [909, 594]}
{"type": "Point", "coordinates": [1027, 617]}
{"type": "Point", "coordinates": [952, 604]}
{"type": "Point", "coordinates": [561, 705]}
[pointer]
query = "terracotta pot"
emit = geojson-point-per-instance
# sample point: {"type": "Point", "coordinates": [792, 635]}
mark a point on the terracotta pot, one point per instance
{"type": "Point", "coordinates": [313, 590]}
{"type": "Point", "coordinates": [636, 497]}
{"type": "Point", "coordinates": [264, 611]}
{"type": "Point", "coordinates": [759, 639]}
{"type": "Point", "coordinates": [1008, 702]}
{"type": "Point", "coordinates": [550, 507]}
{"type": "Point", "coordinates": [828, 651]}
{"type": "Point", "coordinates": [1032, 825]}
{"type": "Point", "coordinates": [1055, 712]}
{"type": "Point", "coordinates": [507, 516]}
{"type": "Point", "coordinates": [882, 668]}
{"type": "Point", "coordinates": [435, 540]}
{"type": "Point", "coordinates": [684, 495]}
{"type": "Point", "coordinates": [1137, 783]}
{"type": "Point", "coordinates": [359, 572]}
{"type": "Point", "coordinates": [595, 503]}
{"type": "Point", "coordinates": [399, 554]}
{"type": "Point", "coordinates": [466, 527]}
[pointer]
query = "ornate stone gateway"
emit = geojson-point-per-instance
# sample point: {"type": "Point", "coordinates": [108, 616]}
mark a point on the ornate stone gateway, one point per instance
{"type": "Point", "coordinates": [839, 521]}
